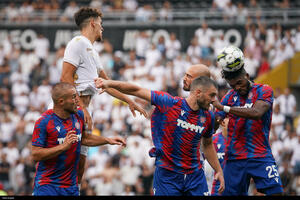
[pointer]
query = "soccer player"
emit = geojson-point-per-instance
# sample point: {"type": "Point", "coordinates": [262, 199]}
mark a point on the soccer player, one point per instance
{"type": "Point", "coordinates": [219, 141]}
{"type": "Point", "coordinates": [81, 65]}
{"type": "Point", "coordinates": [179, 125]}
{"type": "Point", "coordinates": [56, 140]}
{"type": "Point", "coordinates": [193, 72]}
{"type": "Point", "coordinates": [248, 106]}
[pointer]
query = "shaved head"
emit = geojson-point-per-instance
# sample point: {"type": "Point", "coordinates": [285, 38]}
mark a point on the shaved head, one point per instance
{"type": "Point", "coordinates": [200, 70]}
{"type": "Point", "coordinates": [193, 72]}
{"type": "Point", "coordinates": [59, 91]}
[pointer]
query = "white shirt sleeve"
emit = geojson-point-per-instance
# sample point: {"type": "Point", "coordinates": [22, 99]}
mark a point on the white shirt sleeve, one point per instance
{"type": "Point", "coordinates": [73, 52]}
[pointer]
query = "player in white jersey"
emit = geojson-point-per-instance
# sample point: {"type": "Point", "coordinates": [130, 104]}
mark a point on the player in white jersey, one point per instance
{"type": "Point", "coordinates": [81, 65]}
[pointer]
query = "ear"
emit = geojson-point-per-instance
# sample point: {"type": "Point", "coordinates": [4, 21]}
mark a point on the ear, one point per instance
{"type": "Point", "coordinates": [247, 76]}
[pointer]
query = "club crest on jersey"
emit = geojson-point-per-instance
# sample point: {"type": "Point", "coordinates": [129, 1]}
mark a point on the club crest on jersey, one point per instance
{"type": "Point", "coordinates": [202, 119]}
{"type": "Point", "coordinates": [182, 112]}
{"type": "Point", "coordinates": [77, 125]}
{"type": "Point", "coordinates": [250, 95]}
{"type": "Point", "coordinates": [88, 49]}
{"type": "Point", "coordinates": [58, 128]}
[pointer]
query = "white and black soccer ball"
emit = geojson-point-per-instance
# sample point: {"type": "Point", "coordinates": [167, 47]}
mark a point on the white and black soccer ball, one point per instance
{"type": "Point", "coordinates": [231, 58]}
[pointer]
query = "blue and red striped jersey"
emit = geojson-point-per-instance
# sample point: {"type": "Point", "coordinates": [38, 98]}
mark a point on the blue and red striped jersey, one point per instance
{"type": "Point", "coordinates": [176, 133]}
{"type": "Point", "coordinates": [219, 142]}
{"type": "Point", "coordinates": [50, 131]}
{"type": "Point", "coordinates": [248, 138]}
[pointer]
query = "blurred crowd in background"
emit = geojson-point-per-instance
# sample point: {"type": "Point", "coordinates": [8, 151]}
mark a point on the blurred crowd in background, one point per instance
{"type": "Point", "coordinates": [26, 77]}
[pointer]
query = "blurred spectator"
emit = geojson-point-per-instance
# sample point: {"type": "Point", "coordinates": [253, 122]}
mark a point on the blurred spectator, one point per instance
{"type": "Point", "coordinates": [25, 11]}
{"type": "Point", "coordinates": [251, 64]}
{"type": "Point", "coordinates": [27, 60]}
{"type": "Point", "coordinates": [118, 65]}
{"type": "Point", "coordinates": [230, 12]}
{"type": "Point", "coordinates": [220, 5]}
{"type": "Point", "coordinates": [144, 13]}
{"type": "Point", "coordinates": [204, 35]}
{"type": "Point", "coordinates": [142, 43]}
{"type": "Point", "coordinates": [4, 171]}
{"type": "Point", "coordinates": [153, 55]}
{"type": "Point", "coordinates": [288, 105]}
{"type": "Point", "coordinates": [278, 120]}
{"type": "Point", "coordinates": [41, 46]}
{"type": "Point", "coordinates": [11, 12]}
{"type": "Point", "coordinates": [286, 178]}
{"type": "Point", "coordinates": [69, 11]}
{"type": "Point", "coordinates": [242, 13]}
{"type": "Point", "coordinates": [173, 47]}
{"type": "Point", "coordinates": [165, 13]}
{"type": "Point", "coordinates": [194, 50]}
{"type": "Point", "coordinates": [130, 5]}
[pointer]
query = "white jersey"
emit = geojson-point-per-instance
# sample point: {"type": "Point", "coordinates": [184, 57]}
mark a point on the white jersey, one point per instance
{"type": "Point", "coordinates": [80, 52]}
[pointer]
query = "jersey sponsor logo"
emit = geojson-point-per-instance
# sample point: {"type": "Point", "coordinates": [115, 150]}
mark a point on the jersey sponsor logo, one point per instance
{"type": "Point", "coordinates": [182, 112]}
{"type": "Point", "coordinates": [58, 128]}
{"type": "Point", "coordinates": [234, 98]}
{"type": "Point", "coordinates": [61, 140]}
{"type": "Point", "coordinates": [247, 105]}
{"type": "Point", "coordinates": [188, 126]}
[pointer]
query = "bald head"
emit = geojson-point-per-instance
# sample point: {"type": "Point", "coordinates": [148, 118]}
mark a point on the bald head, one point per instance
{"type": "Point", "coordinates": [59, 90]}
{"type": "Point", "coordinates": [199, 70]}
{"type": "Point", "coordinates": [193, 72]}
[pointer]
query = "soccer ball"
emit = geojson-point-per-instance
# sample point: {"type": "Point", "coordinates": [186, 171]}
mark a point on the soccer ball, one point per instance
{"type": "Point", "coordinates": [231, 59]}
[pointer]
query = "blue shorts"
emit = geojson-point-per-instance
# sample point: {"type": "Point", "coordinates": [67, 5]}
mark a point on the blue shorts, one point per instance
{"type": "Point", "coordinates": [237, 175]}
{"type": "Point", "coordinates": [169, 183]}
{"type": "Point", "coordinates": [50, 190]}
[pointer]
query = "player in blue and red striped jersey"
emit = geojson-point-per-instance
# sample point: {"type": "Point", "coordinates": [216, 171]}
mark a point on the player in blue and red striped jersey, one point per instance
{"type": "Point", "coordinates": [248, 153]}
{"type": "Point", "coordinates": [178, 125]}
{"type": "Point", "coordinates": [56, 142]}
{"type": "Point", "coordinates": [219, 141]}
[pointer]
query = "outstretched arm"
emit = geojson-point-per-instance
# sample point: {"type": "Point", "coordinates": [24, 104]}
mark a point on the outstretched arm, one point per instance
{"type": "Point", "coordinates": [255, 112]}
{"type": "Point", "coordinates": [93, 140]}
{"type": "Point", "coordinates": [124, 87]}
{"type": "Point", "coordinates": [118, 94]}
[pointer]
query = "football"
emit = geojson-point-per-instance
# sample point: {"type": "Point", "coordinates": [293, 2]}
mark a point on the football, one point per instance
{"type": "Point", "coordinates": [231, 58]}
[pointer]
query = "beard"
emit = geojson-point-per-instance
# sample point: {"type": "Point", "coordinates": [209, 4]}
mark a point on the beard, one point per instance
{"type": "Point", "coordinates": [99, 38]}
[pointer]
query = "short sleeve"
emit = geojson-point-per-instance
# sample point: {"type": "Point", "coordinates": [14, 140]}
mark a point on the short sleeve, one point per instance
{"type": "Point", "coordinates": [211, 129]}
{"type": "Point", "coordinates": [162, 100]}
{"type": "Point", "coordinates": [39, 135]}
{"type": "Point", "coordinates": [73, 52]}
{"type": "Point", "coordinates": [265, 93]}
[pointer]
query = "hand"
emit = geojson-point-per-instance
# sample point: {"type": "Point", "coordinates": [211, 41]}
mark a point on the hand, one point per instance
{"type": "Point", "coordinates": [70, 139]}
{"type": "Point", "coordinates": [87, 119]}
{"type": "Point", "coordinates": [217, 104]}
{"type": "Point", "coordinates": [116, 140]}
{"type": "Point", "coordinates": [219, 176]}
{"type": "Point", "coordinates": [133, 106]}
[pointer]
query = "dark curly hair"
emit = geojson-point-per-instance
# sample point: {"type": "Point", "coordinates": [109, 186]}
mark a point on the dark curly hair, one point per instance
{"type": "Point", "coordinates": [231, 75]}
{"type": "Point", "coordinates": [85, 13]}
